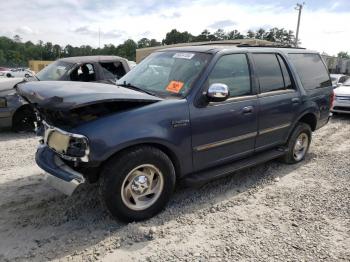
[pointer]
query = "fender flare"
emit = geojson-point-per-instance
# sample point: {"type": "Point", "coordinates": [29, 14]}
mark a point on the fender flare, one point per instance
{"type": "Point", "coordinates": [315, 113]}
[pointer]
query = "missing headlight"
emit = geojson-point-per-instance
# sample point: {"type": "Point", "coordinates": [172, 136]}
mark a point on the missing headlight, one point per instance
{"type": "Point", "coordinates": [69, 146]}
{"type": "Point", "coordinates": [77, 147]}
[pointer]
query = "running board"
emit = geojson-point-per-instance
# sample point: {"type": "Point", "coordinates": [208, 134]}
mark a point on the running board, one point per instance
{"type": "Point", "coordinates": [202, 177]}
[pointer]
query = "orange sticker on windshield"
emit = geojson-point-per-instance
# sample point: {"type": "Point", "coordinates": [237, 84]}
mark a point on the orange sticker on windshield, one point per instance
{"type": "Point", "coordinates": [175, 86]}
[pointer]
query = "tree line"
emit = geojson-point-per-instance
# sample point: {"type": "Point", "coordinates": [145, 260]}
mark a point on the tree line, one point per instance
{"type": "Point", "coordinates": [14, 52]}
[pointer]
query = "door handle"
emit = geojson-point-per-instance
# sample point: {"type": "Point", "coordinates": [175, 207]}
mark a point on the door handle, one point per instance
{"type": "Point", "coordinates": [295, 100]}
{"type": "Point", "coordinates": [247, 109]}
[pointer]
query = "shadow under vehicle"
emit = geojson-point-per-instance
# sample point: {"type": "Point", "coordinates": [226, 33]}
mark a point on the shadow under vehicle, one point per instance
{"type": "Point", "coordinates": [17, 114]}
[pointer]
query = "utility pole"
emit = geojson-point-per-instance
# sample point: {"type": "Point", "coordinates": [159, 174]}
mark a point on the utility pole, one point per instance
{"type": "Point", "coordinates": [299, 8]}
{"type": "Point", "coordinates": [99, 38]}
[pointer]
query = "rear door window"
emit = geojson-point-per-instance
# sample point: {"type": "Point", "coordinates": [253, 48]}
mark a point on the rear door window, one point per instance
{"type": "Point", "coordinates": [311, 70]}
{"type": "Point", "coordinates": [269, 72]}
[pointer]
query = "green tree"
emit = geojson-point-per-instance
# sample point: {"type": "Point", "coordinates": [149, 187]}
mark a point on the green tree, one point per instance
{"type": "Point", "coordinates": [220, 35]}
{"type": "Point", "coordinates": [127, 49]}
{"type": "Point", "coordinates": [344, 55]}
{"type": "Point", "coordinates": [68, 50]}
{"type": "Point", "coordinates": [206, 35]}
{"type": "Point", "coordinates": [234, 34]}
{"type": "Point", "coordinates": [143, 42]}
{"type": "Point", "coordinates": [250, 34]}
{"type": "Point", "coordinates": [56, 50]}
{"type": "Point", "coordinates": [176, 37]}
{"type": "Point", "coordinates": [17, 39]}
{"type": "Point", "coordinates": [2, 58]}
{"type": "Point", "coordinates": [260, 33]}
{"type": "Point", "coordinates": [154, 42]}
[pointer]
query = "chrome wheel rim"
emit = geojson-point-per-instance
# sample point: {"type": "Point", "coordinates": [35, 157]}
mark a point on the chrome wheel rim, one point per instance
{"type": "Point", "coordinates": [142, 187]}
{"type": "Point", "coordinates": [300, 146]}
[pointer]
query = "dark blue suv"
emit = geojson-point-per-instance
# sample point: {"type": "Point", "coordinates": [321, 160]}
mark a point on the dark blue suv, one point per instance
{"type": "Point", "coordinates": [189, 114]}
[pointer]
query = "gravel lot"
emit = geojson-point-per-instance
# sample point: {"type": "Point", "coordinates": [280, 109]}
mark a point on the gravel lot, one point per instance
{"type": "Point", "coordinates": [273, 212]}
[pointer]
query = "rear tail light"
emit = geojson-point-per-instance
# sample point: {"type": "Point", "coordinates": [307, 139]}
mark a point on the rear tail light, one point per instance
{"type": "Point", "coordinates": [332, 96]}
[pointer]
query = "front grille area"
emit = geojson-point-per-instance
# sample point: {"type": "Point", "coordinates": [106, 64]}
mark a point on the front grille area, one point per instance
{"type": "Point", "coordinates": [343, 98]}
{"type": "Point", "coordinates": [342, 108]}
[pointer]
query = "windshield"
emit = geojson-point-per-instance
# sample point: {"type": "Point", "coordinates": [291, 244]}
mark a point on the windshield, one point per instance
{"type": "Point", "coordinates": [167, 73]}
{"type": "Point", "coordinates": [54, 71]}
{"type": "Point", "coordinates": [346, 83]}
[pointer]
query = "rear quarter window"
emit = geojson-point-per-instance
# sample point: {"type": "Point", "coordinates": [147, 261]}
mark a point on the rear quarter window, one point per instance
{"type": "Point", "coordinates": [311, 70]}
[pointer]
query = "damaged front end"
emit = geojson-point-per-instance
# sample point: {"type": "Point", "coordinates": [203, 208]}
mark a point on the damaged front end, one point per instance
{"type": "Point", "coordinates": [72, 147]}
{"type": "Point", "coordinates": [61, 107]}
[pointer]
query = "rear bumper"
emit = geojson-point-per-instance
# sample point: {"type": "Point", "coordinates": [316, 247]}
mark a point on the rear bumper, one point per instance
{"type": "Point", "coordinates": [60, 176]}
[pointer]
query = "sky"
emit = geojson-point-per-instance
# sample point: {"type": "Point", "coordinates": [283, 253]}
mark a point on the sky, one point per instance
{"type": "Point", "coordinates": [325, 24]}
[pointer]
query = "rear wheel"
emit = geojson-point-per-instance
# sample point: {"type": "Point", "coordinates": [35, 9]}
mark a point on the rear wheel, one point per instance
{"type": "Point", "coordinates": [298, 144]}
{"type": "Point", "coordinates": [23, 120]}
{"type": "Point", "coordinates": [137, 184]}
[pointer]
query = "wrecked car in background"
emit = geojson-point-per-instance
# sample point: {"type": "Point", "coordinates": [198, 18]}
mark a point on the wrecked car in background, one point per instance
{"type": "Point", "coordinates": [86, 69]}
{"type": "Point", "coordinates": [14, 111]}
{"type": "Point", "coordinates": [17, 113]}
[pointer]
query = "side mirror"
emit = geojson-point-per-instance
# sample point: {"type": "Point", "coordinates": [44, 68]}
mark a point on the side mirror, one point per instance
{"type": "Point", "coordinates": [218, 92]}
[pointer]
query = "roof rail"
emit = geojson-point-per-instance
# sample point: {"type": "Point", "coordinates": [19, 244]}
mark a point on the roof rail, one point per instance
{"type": "Point", "coordinates": [271, 46]}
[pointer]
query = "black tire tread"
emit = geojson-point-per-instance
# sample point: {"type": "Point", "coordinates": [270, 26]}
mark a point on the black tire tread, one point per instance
{"type": "Point", "coordinates": [300, 127]}
{"type": "Point", "coordinates": [120, 161]}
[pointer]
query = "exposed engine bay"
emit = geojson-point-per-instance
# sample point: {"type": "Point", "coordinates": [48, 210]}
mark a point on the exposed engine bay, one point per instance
{"type": "Point", "coordinates": [80, 115]}
{"type": "Point", "coordinates": [69, 104]}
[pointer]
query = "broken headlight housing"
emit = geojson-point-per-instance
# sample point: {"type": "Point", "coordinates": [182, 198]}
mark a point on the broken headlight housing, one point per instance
{"type": "Point", "coordinates": [3, 102]}
{"type": "Point", "coordinates": [73, 147]}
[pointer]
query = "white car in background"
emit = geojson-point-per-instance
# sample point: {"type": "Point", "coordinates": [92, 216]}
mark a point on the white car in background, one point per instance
{"type": "Point", "coordinates": [17, 72]}
{"type": "Point", "coordinates": [342, 98]}
{"type": "Point", "coordinates": [338, 79]}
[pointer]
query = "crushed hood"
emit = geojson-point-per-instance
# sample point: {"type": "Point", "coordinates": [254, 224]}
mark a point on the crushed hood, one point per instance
{"type": "Point", "coordinates": [64, 95]}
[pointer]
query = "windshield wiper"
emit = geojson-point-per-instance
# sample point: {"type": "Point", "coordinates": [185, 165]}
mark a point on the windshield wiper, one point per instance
{"type": "Point", "coordinates": [129, 85]}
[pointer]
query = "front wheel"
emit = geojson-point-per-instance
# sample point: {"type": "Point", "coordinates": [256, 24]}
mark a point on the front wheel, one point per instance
{"type": "Point", "coordinates": [24, 120]}
{"type": "Point", "coordinates": [298, 144]}
{"type": "Point", "coordinates": [137, 184]}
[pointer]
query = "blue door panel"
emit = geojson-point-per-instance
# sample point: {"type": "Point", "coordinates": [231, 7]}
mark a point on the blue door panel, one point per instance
{"type": "Point", "coordinates": [276, 115]}
{"type": "Point", "coordinates": [223, 132]}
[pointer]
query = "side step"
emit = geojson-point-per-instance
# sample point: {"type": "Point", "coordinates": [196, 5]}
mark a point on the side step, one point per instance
{"type": "Point", "coordinates": [202, 177]}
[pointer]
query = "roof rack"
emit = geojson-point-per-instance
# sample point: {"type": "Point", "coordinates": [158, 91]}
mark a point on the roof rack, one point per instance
{"type": "Point", "coordinates": [270, 46]}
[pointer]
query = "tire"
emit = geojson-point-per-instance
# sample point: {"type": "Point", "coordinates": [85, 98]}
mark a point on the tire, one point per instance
{"type": "Point", "coordinates": [23, 120]}
{"type": "Point", "coordinates": [8, 75]}
{"type": "Point", "coordinates": [296, 152]}
{"type": "Point", "coordinates": [123, 182]}
{"type": "Point", "coordinates": [26, 75]}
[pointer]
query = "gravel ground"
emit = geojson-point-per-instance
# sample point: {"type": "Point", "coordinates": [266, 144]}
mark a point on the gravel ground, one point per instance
{"type": "Point", "coordinates": [273, 212]}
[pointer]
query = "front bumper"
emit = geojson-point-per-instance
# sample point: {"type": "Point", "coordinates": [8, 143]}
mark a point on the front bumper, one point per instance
{"type": "Point", "coordinates": [341, 106]}
{"type": "Point", "coordinates": [60, 175]}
